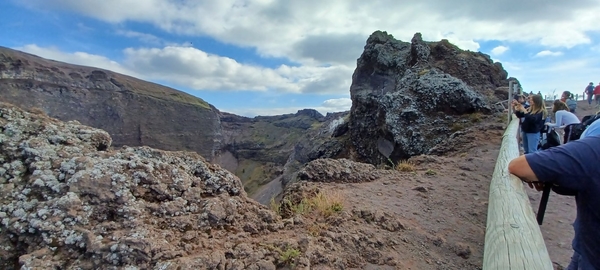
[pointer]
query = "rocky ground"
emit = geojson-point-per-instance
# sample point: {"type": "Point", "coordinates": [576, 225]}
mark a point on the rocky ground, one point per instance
{"type": "Point", "coordinates": [67, 201]}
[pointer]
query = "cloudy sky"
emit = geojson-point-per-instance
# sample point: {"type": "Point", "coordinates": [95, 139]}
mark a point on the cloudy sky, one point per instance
{"type": "Point", "coordinates": [265, 57]}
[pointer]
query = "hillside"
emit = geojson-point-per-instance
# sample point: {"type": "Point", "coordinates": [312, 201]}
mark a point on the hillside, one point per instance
{"type": "Point", "coordinates": [139, 113]}
{"type": "Point", "coordinates": [133, 111]}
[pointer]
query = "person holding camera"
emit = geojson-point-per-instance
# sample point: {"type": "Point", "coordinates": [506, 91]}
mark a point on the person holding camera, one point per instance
{"type": "Point", "coordinates": [532, 121]}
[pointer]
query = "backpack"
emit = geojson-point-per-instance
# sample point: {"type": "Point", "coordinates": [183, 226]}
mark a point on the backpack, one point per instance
{"type": "Point", "coordinates": [548, 138]}
{"type": "Point", "coordinates": [578, 129]}
{"type": "Point", "coordinates": [589, 119]}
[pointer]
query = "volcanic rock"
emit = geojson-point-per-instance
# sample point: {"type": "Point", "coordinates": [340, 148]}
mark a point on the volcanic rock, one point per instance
{"type": "Point", "coordinates": [406, 96]}
{"type": "Point", "coordinates": [67, 202]}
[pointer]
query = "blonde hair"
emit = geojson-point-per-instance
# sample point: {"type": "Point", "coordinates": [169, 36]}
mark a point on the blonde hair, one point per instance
{"type": "Point", "coordinates": [559, 106]}
{"type": "Point", "coordinates": [538, 106]}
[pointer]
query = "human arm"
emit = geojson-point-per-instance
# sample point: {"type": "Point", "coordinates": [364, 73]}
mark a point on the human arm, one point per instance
{"type": "Point", "coordinates": [521, 169]}
{"type": "Point", "coordinates": [571, 165]}
{"type": "Point", "coordinates": [532, 118]}
{"type": "Point", "coordinates": [559, 119]}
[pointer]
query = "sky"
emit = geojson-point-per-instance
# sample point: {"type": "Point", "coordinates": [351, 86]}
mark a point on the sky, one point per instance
{"type": "Point", "coordinates": [270, 57]}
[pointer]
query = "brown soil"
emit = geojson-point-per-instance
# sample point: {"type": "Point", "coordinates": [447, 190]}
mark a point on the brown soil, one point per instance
{"type": "Point", "coordinates": [444, 210]}
{"type": "Point", "coordinates": [441, 205]}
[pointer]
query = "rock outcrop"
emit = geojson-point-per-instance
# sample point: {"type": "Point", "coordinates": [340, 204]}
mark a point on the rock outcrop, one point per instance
{"type": "Point", "coordinates": [406, 96]}
{"type": "Point", "coordinates": [65, 202]}
{"type": "Point", "coordinates": [337, 170]}
{"type": "Point", "coordinates": [132, 111]}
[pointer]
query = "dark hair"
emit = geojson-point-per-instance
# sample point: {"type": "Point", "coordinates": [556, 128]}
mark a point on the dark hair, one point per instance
{"type": "Point", "coordinates": [567, 94]}
{"type": "Point", "coordinates": [559, 106]}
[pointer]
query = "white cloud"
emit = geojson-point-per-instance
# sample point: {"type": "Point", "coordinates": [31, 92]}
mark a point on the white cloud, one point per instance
{"type": "Point", "coordinates": [280, 28]}
{"type": "Point", "coordinates": [78, 58]}
{"type": "Point", "coordinates": [548, 53]}
{"type": "Point", "coordinates": [548, 75]}
{"type": "Point", "coordinates": [328, 106]}
{"type": "Point", "coordinates": [324, 38]}
{"type": "Point", "coordinates": [337, 105]}
{"type": "Point", "coordinates": [499, 50]}
{"type": "Point", "coordinates": [196, 69]}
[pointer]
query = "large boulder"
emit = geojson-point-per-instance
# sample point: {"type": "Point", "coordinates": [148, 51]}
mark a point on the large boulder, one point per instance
{"type": "Point", "coordinates": [66, 202]}
{"type": "Point", "coordinates": [405, 96]}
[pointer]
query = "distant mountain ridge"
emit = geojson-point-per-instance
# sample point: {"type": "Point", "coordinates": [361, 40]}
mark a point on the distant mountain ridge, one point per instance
{"type": "Point", "coordinates": [139, 113]}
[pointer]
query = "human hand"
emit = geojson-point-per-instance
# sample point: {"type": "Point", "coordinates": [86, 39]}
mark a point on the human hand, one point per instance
{"type": "Point", "coordinates": [537, 185]}
{"type": "Point", "coordinates": [520, 107]}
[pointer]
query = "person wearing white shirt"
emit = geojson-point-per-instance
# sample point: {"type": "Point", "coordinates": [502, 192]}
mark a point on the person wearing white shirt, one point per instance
{"type": "Point", "coordinates": [564, 118]}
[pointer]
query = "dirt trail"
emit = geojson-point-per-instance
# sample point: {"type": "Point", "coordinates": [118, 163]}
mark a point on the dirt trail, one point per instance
{"type": "Point", "coordinates": [441, 207]}
{"type": "Point", "coordinates": [445, 201]}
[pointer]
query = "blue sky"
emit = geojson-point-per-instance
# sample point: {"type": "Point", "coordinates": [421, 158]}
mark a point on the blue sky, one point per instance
{"type": "Point", "coordinates": [266, 57]}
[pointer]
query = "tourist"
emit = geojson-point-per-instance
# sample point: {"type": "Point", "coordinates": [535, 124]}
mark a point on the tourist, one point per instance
{"type": "Point", "coordinates": [532, 121]}
{"type": "Point", "coordinates": [567, 98]}
{"type": "Point", "coordinates": [597, 94]}
{"type": "Point", "coordinates": [589, 91]}
{"type": "Point", "coordinates": [564, 118]}
{"type": "Point", "coordinates": [572, 166]}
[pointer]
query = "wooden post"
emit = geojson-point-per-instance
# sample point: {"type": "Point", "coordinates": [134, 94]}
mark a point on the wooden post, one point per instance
{"type": "Point", "coordinates": [510, 98]}
{"type": "Point", "coordinates": [513, 239]}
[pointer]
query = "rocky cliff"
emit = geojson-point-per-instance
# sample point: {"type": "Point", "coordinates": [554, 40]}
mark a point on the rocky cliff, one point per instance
{"type": "Point", "coordinates": [257, 149]}
{"type": "Point", "coordinates": [70, 201]}
{"type": "Point", "coordinates": [140, 113]}
{"type": "Point", "coordinates": [407, 96]}
{"type": "Point", "coordinates": [133, 111]}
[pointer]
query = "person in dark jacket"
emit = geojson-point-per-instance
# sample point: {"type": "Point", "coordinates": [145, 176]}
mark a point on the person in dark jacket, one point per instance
{"type": "Point", "coordinates": [589, 90]}
{"type": "Point", "coordinates": [532, 121]}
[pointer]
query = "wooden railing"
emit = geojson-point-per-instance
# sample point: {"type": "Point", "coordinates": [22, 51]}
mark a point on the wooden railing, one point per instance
{"type": "Point", "coordinates": [513, 239]}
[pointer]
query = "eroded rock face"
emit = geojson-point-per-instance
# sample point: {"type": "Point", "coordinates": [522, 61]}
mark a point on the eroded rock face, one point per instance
{"type": "Point", "coordinates": [67, 203]}
{"type": "Point", "coordinates": [132, 111]}
{"type": "Point", "coordinates": [405, 96]}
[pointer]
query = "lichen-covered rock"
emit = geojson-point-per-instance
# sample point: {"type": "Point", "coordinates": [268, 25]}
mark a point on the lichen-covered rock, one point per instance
{"type": "Point", "coordinates": [405, 96]}
{"type": "Point", "coordinates": [66, 202]}
{"type": "Point", "coordinates": [337, 170]}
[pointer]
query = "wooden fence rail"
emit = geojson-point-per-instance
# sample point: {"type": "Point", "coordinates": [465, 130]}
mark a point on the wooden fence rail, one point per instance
{"type": "Point", "coordinates": [513, 239]}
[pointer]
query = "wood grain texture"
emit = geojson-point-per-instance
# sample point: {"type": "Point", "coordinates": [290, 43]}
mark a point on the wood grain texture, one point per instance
{"type": "Point", "coordinates": [513, 239]}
